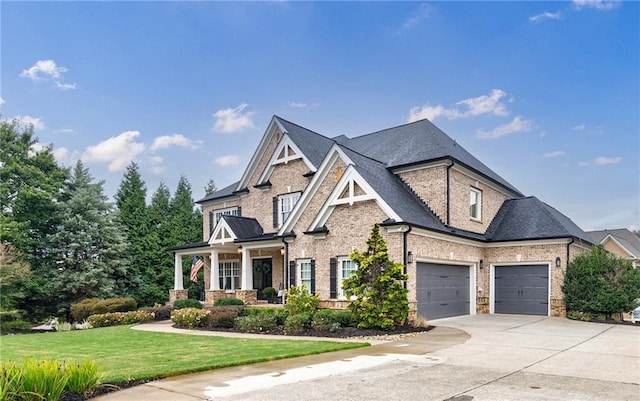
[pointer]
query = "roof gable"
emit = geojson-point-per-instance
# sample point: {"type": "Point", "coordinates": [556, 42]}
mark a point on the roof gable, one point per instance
{"type": "Point", "coordinates": [623, 237]}
{"type": "Point", "coordinates": [232, 228]}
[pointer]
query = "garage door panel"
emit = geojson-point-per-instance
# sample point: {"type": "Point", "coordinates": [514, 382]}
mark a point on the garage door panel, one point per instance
{"type": "Point", "coordinates": [442, 290]}
{"type": "Point", "coordinates": [521, 289]}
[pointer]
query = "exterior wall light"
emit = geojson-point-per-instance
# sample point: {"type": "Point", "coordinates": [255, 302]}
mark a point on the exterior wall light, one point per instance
{"type": "Point", "coordinates": [409, 257]}
{"type": "Point", "coordinates": [281, 251]}
{"type": "Point", "coordinates": [558, 261]}
{"type": "Point", "coordinates": [481, 264]}
{"type": "Point", "coordinates": [239, 249]}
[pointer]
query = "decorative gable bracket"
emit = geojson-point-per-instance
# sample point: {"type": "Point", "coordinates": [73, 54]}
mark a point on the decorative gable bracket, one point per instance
{"type": "Point", "coordinates": [222, 233]}
{"type": "Point", "coordinates": [285, 152]}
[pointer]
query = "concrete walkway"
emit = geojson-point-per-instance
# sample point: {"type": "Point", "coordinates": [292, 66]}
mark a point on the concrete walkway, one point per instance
{"type": "Point", "coordinates": [480, 357]}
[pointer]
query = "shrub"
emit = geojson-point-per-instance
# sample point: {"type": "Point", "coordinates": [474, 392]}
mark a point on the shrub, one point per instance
{"type": "Point", "coordinates": [15, 326]}
{"type": "Point", "coordinates": [343, 317]}
{"type": "Point", "coordinates": [159, 312]}
{"type": "Point", "coordinates": [256, 323]}
{"type": "Point", "coordinates": [297, 324]}
{"type": "Point", "coordinates": [223, 319]}
{"type": "Point", "coordinates": [47, 379]}
{"type": "Point", "coordinates": [93, 306]}
{"type": "Point", "coordinates": [228, 301]}
{"type": "Point", "coordinates": [601, 284]}
{"type": "Point", "coordinates": [187, 303]}
{"type": "Point", "coordinates": [281, 316]}
{"type": "Point", "coordinates": [10, 315]}
{"type": "Point", "coordinates": [190, 318]}
{"type": "Point", "coordinates": [377, 286]}
{"type": "Point", "coordinates": [119, 318]}
{"type": "Point", "coordinates": [85, 325]}
{"type": "Point", "coordinates": [63, 326]}
{"type": "Point", "coordinates": [258, 310]}
{"type": "Point", "coordinates": [299, 300]}
{"type": "Point", "coordinates": [323, 320]}
{"type": "Point", "coordinates": [269, 293]}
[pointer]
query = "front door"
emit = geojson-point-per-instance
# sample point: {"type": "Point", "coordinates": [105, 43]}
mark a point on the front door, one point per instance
{"type": "Point", "coordinates": [262, 275]}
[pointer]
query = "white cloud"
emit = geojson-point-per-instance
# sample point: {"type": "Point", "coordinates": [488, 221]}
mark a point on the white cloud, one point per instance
{"type": "Point", "coordinates": [543, 16]}
{"type": "Point", "coordinates": [165, 141]}
{"type": "Point", "coordinates": [475, 106]}
{"type": "Point", "coordinates": [557, 153]}
{"type": "Point", "coordinates": [64, 131]}
{"type": "Point", "coordinates": [118, 151]}
{"type": "Point", "coordinates": [155, 159]}
{"type": "Point", "coordinates": [233, 120]}
{"type": "Point", "coordinates": [35, 148]}
{"type": "Point", "coordinates": [227, 160]}
{"type": "Point", "coordinates": [518, 124]}
{"type": "Point", "coordinates": [579, 127]}
{"type": "Point", "coordinates": [1, 101]}
{"type": "Point", "coordinates": [597, 4]}
{"type": "Point", "coordinates": [36, 122]}
{"type": "Point", "coordinates": [47, 70]}
{"type": "Point", "coordinates": [421, 14]}
{"type": "Point", "coordinates": [298, 105]}
{"type": "Point", "coordinates": [601, 161]}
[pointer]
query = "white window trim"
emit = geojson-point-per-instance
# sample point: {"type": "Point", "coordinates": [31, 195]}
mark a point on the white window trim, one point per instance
{"type": "Point", "coordinates": [299, 272]}
{"type": "Point", "coordinates": [291, 196]}
{"type": "Point", "coordinates": [341, 294]}
{"type": "Point", "coordinates": [479, 204]}
{"type": "Point", "coordinates": [228, 211]}
{"type": "Point", "coordinates": [223, 277]}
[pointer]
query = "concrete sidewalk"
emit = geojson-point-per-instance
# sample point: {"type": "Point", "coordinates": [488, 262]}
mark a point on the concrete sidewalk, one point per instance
{"type": "Point", "coordinates": [479, 357]}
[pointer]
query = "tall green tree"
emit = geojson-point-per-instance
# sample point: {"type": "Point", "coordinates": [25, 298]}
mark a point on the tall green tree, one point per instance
{"type": "Point", "coordinates": [87, 251]}
{"type": "Point", "coordinates": [210, 187]}
{"type": "Point", "coordinates": [377, 286]}
{"type": "Point", "coordinates": [186, 228]}
{"type": "Point", "coordinates": [159, 278]}
{"type": "Point", "coordinates": [131, 203]}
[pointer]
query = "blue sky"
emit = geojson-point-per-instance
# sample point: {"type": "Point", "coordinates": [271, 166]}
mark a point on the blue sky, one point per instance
{"type": "Point", "coordinates": [547, 94]}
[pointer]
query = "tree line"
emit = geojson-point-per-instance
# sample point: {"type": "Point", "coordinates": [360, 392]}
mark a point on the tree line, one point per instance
{"type": "Point", "coordinates": [62, 240]}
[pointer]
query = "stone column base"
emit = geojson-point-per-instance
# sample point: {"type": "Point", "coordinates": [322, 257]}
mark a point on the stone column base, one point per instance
{"type": "Point", "coordinates": [482, 305]}
{"type": "Point", "coordinates": [249, 297]}
{"type": "Point", "coordinates": [175, 295]}
{"type": "Point", "coordinates": [558, 308]}
{"type": "Point", "coordinates": [211, 296]}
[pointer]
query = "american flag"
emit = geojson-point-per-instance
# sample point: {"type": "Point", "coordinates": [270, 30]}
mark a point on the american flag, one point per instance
{"type": "Point", "coordinates": [196, 264]}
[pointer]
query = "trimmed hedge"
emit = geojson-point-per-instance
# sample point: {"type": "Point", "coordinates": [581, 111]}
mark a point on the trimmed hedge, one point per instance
{"type": "Point", "coordinates": [324, 320]}
{"type": "Point", "coordinates": [256, 323]}
{"type": "Point", "coordinates": [94, 306]}
{"type": "Point", "coordinates": [187, 303]}
{"type": "Point", "coordinates": [228, 301]}
{"type": "Point", "coordinates": [191, 318]}
{"type": "Point", "coordinates": [297, 324]}
{"type": "Point", "coordinates": [119, 318]}
{"type": "Point", "coordinates": [159, 312]}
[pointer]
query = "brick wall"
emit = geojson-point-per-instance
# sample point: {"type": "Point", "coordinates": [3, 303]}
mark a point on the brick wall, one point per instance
{"type": "Point", "coordinates": [430, 184]}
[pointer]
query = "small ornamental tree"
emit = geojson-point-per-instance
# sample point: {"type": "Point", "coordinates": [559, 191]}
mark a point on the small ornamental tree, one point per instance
{"type": "Point", "coordinates": [601, 283]}
{"type": "Point", "coordinates": [379, 299]}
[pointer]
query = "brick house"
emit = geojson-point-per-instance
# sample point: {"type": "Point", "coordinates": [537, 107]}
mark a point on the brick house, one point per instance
{"type": "Point", "coordinates": [469, 240]}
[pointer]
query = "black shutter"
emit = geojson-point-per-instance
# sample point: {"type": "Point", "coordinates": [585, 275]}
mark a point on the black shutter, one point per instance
{"type": "Point", "coordinates": [275, 212]}
{"type": "Point", "coordinates": [313, 277]}
{"type": "Point", "coordinates": [292, 273]}
{"type": "Point", "coordinates": [211, 216]}
{"type": "Point", "coordinates": [239, 211]}
{"type": "Point", "coordinates": [333, 278]}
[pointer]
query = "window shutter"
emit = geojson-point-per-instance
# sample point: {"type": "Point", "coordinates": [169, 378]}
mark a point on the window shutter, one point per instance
{"type": "Point", "coordinates": [239, 211]}
{"type": "Point", "coordinates": [313, 276]}
{"type": "Point", "coordinates": [292, 273]}
{"type": "Point", "coordinates": [275, 212]}
{"type": "Point", "coordinates": [333, 278]}
{"type": "Point", "coordinates": [211, 221]}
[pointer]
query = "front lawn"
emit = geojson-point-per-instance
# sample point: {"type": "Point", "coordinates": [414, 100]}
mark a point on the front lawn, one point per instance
{"type": "Point", "coordinates": [123, 354]}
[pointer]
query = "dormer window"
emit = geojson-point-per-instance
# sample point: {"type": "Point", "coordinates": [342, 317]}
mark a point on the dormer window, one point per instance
{"type": "Point", "coordinates": [475, 204]}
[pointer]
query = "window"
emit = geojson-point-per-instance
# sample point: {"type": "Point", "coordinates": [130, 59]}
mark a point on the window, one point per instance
{"type": "Point", "coordinates": [286, 204]}
{"type": "Point", "coordinates": [304, 272]}
{"type": "Point", "coordinates": [229, 272]}
{"type": "Point", "coordinates": [475, 204]}
{"type": "Point", "coordinates": [346, 269]}
{"type": "Point", "coordinates": [230, 211]}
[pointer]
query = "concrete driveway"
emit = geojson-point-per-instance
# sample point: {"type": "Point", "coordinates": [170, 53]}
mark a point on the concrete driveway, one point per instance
{"type": "Point", "coordinates": [480, 357]}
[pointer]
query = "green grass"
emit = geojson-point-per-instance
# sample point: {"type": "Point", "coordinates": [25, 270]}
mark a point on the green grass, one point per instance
{"type": "Point", "coordinates": [125, 354]}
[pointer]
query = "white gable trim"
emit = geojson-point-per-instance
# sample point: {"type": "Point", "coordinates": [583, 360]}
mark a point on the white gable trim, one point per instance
{"type": "Point", "coordinates": [273, 127]}
{"type": "Point", "coordinates": [615, 241]}
{"type": "Point", "coordinates": [285, 144]}
{"type": "Point", "coordinates": [332, 156]}
{"type": "Point", "coordinates": [222, 234]}
{"type": "Point", "coordinates": [349, 178]}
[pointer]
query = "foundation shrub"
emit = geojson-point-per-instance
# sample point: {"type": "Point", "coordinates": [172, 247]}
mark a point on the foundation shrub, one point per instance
{"type": "Point", "coordinates": [256, 323]}
{"type": "Point", "coordinates": [93, 306]}
{"type": "Point", "coordinates": [159, 312]}
{"type": "Point", "coordinates": [344, 318]}
{"type": "Point", "coordinates": [323, 320]}
{"type": "Point", "coordinates": [187, 303]}
{"type": "Point", "coordinates": [191, 318]}
{"type": "Point", "coordinates": [300, 300]}
{"type": "Point", "coordinates": [119, 318]}
{"type": "Point", "coordinates": [297, 324]}
{"type": "Point", "coordinates": [228, 301]}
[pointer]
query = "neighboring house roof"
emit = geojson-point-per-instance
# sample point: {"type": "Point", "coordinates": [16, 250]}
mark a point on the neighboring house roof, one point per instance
{"type": "Point", "coordinates": [419, 142]}
{"type": "Point", "coordinates": [624, 237]}
{"type": "Point", "coordinates": [244, 227]}
{"type": "Point", "coordinates": [529, 218]}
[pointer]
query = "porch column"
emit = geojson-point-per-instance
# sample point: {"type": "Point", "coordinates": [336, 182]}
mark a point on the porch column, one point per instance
{"type": "Point", "coordinates": [247, 271]}
{"type": "Point", "coordinates": [177, 277]}
{"type": "Point", "coordinates": [215, 272]}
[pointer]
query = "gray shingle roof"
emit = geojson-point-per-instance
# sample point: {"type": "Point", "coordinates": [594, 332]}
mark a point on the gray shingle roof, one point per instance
{"type": "Point", "coordinates": [244, 227]}
{"type": "Point", "coordinates": [221, 193]}
{"type": "Point", "coordinates": [529, 218]}
{"type": "Point", "coordinates": [626, 238]}
{"type": "Point", "coordinates": [313, 145]}
{"type": "Point", "coordinates": [419, 142]}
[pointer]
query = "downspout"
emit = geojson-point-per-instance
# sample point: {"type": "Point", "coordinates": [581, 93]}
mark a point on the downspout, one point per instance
{"type": "Point", "coordinates": [449, 191]}
{"type": "Point", "coordinates": [285, 268]}
{"type": "Point", "coordinates": [568, 246]}
{"type": "Point", "coordinates": [405, 251]}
